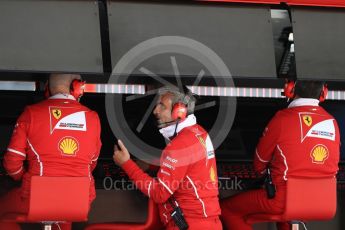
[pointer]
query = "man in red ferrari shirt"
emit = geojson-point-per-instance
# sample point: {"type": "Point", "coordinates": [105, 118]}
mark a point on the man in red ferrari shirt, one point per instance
{"type": "Point", "coordinates": [302, 140]}
{"type": "Point", "coordinates": [57, 137]}
{"type": "Point", "coordinates": [187, 173]}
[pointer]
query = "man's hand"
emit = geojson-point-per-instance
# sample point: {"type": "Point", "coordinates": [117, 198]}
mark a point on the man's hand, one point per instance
{"type": "Point", "coordinates": [120, 155]}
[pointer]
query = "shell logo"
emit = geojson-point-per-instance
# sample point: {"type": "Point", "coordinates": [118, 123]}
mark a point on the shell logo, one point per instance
{"type": "Point", "coordinates": [212, 175]}
{"type": "Point", "coordinates": [68, 146]}
{"type": "Point", "coordinates": [319, 154]}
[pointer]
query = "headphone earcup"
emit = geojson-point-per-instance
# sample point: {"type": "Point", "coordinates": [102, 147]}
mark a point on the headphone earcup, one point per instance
{"type": "Point", "coordinates": [289, 89]}
{"type": "Point", "coordinates": [179, 111]}
{"type": "Point", "coordinates": [77, 88]}
{"type": "Point", "coordinates": [323, 93]}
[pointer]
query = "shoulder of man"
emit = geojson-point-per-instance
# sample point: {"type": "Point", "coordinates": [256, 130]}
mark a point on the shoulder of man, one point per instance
{"type": "Point", "coordinates": [287, 112]}
{"type": "Point", "coordinates": [192, 130]}
{"type": "Point", "coordinates": [186, 137]}
{"type": "Point", "coordinates": [92, 113]}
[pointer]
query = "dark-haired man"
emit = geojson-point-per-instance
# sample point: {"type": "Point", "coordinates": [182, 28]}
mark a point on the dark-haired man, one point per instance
{"type": "Point", "coordinates": [302, 140]}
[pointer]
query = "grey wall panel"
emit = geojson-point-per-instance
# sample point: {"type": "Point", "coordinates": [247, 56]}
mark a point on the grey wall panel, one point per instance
{"type": "Point", "coordinates": [39, 35]}
{"type": "Point", "coordinates": [319, 36]}
{"type": "Point", "coordinates": [241, 36]}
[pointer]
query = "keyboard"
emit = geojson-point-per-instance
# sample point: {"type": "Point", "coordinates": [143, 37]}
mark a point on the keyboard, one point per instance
{"type": "Point", "coordinates": [242, 170]}
{"type": "Point", "coordinates": [108, 172]}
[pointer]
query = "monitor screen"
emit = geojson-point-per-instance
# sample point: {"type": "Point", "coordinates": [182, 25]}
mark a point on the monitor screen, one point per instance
{"type": "Point", "coordinates": [319, 43]}
{"type": "Point", "coordinates": [233, 32]}
{"type": "Point", "coordinates": [252, 116]}
{"type": "Point", "coordinates": [60, 36]}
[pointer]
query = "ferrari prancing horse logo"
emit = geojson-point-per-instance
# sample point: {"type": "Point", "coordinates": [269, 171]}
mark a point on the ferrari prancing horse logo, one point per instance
{"type": "Point", "coordinates": [307, 120]}
{"type": "Point", "coordinates": [56, 113]}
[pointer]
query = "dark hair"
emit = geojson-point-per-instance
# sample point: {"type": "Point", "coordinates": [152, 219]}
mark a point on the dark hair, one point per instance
{"type": "Point", "coordinates": [308, 88]}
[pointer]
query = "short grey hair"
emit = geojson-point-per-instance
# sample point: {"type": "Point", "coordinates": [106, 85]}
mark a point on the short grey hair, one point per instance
{"type": "Point", "coordinates": [186, 96]}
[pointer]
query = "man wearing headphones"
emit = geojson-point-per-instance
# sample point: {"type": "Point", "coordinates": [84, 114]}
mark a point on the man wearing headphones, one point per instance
{"type": "Point", "coordinates": [186, 187]}
{"type": "Point", "coordinates": [302, 140]}
{"type": "Point", "coordinates": [56, 137]}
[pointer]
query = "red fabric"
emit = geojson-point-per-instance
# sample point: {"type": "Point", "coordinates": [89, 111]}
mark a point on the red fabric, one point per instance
{"type": "Point", "coordinates": [15, 226]}
{"type": "Point", "coordinates": [123, 226]}
{"type": "Point", "coordinates": [235, 209]}
{"type": "Point", "coordinates": [329, 3]}
{"type": "Point", "coordinates": [301, 141]}
{"type": "Point", "coordinates": [188, 170]}
{"type": "Point", "coordinates": [326, 3]}
{"type": "Point", "coordinates": [14, 208]}
{"type": "Point", "coordinates": [12, 202]}
{"type": "Point", "coordinates": [301, 201]}
{"type": "Point", "coordinates": [58, 137]}
{"type": "Point", "coordinates": [246, 1]}
{"type": "Point", "coordinates": [197, 224]}
{"type": "Point", "coordinates": [46, 202]}
{"type": "Point", "coordinates": [289, 144]}
{"type": "Point", "coordinates": [9, 226]}
{"type": "Point", "coordinates": [62, 226]}
{"type": "Point", "coordinates": [306, 204]}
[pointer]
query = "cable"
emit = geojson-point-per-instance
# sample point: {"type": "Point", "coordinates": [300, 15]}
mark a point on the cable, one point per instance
{"type": "Point", "coordinates": [304, 226]}
{"type": "Point", "coordinates": [58, 226]}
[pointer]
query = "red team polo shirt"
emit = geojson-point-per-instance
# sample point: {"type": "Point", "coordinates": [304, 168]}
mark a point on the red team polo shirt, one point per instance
{"type": "Point", "coordinates": [302, 140]}
{"type": "Point", "coordinates": [188, 171]}
{"type": "Point", "coordinates": [58, 137]}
